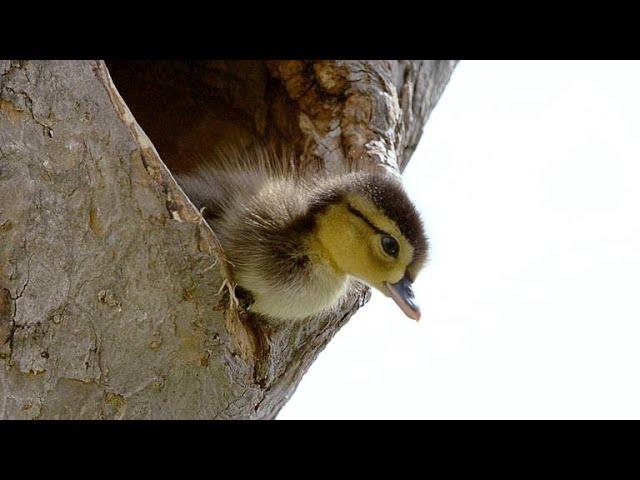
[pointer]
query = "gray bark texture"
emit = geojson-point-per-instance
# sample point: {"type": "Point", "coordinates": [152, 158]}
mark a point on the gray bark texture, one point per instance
{"type": "Point", "coordinates": [111, 304]}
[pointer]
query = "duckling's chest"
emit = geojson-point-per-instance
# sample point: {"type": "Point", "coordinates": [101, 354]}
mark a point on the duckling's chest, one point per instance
{"type": "Point", "coordinates": [308, 291]}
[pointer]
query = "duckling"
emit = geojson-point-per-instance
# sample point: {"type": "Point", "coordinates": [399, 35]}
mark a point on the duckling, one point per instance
{"type": "Point", "coordinates": [296, 238]}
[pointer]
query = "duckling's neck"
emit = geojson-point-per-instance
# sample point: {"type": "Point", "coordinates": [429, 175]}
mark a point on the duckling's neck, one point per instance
{"type": "Point", "coordinates": [302, 277]}
{"type": "Point", "coordinates": [324, 223]}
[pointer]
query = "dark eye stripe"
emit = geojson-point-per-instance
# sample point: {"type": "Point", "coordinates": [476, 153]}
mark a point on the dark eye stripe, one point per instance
{"type": "Point", "coordinates": [359, 214]}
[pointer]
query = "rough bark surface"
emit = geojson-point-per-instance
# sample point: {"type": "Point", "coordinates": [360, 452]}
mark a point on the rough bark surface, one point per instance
{"type": "Point", "coordinates": [109, 280]}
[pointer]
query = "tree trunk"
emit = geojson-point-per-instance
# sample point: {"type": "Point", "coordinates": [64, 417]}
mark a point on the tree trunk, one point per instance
{"type": "Point", "coordinates": [109, 279]}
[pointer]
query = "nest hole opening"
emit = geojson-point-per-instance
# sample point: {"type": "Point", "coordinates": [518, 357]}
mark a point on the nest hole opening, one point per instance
{"type": "Point", "coordinates": [188, 108]}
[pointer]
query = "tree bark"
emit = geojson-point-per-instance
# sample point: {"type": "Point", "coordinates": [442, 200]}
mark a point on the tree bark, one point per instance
{"type": "Point", "coordinates": [109, 278]}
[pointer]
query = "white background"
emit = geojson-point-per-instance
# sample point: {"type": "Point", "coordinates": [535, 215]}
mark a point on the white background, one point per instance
{"type": "Point", "coordinates": [527, 177]}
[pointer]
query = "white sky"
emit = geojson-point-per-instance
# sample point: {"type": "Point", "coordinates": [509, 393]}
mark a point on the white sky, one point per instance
{"type": "Point", "coordinates": [528, 178]}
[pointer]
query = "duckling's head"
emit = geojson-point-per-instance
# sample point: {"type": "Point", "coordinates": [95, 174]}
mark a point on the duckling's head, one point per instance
{"type": "Point", "coordinates": [369, 229]}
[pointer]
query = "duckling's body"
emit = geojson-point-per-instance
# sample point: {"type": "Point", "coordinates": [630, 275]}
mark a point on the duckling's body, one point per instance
{"type": "Point", "coordinates": [294, 239]}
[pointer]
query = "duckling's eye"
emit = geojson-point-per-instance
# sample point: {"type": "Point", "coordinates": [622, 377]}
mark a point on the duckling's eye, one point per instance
{"type": "Point", "coordinates": [390, 245]}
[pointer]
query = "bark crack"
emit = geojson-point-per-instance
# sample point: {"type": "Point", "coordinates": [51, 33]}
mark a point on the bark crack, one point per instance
{"type": "Point", "coordinates": [46, 129]}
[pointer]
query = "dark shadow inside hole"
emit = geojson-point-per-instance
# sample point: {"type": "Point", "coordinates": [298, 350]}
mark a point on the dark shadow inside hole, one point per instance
{"type": "Point", "coordinates": [189, 107]}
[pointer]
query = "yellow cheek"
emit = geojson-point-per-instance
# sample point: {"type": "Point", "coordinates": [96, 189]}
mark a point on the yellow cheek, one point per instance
{"type": "Point", "coordinates": [342, 240]}
{"type": "Point", "coordinates": [351, 247]}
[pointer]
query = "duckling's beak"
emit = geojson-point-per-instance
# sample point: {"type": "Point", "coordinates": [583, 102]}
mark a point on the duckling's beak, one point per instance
{"type": "Point", "coordinates": [402, 294]}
